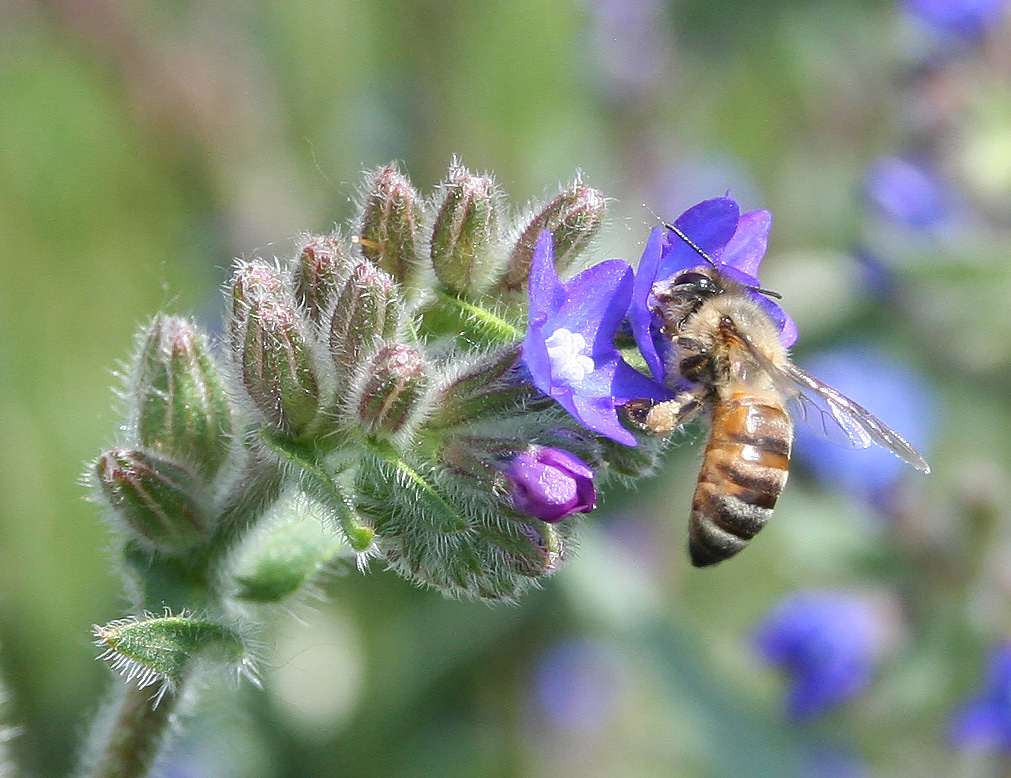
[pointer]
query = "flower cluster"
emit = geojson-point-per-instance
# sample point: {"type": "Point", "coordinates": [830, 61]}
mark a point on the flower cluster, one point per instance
{"type": "Point", "coordinates": [429, 383]}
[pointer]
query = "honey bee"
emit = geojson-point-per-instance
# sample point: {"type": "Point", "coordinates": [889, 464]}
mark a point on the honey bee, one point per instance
{"type": "Point", "coordinates": [729, 350]}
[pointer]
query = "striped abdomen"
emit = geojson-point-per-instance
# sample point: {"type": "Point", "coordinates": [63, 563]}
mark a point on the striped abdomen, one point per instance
{"type": "Point", "coordinates": [743, 473]}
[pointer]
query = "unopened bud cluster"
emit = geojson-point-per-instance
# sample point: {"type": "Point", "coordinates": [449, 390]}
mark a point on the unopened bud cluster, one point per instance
{"type": "Point", "coordinates": [376, 366]}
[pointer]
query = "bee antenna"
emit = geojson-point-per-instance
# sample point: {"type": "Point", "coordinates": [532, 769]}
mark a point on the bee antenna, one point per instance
{"type": "Point", "coordinates": [698, 249]}
{"type": "Point", "coordinates": [766, 292]}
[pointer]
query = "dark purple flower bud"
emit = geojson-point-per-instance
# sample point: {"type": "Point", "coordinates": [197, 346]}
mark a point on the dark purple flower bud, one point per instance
{"type": "Point", "coordinates": [983, 722]}
{"type": "Point", "coordinates": [271, 346]}
{"type": "Point", "coordinates": [394, 392]}
{"type": "Point", "coordinates": [181, 407]}
{"type": "Point", "coordinates": [550, 484]}
{"type": "Point", "coordinates": [318, 273]}
{"type": "Point", "coordinates": [159, 500]}
{"type": "Point", "coordinates": [964, 19]}
{"type": "Point", "coordinates": [466, 232]}
{"type": "Point", "coordinates": [573, 218]}
{"type": "Point", "coordinates": [569, 348]}
{"type": "Point", "coordinates": [367, 313]}
{"type": "Point", "coordinates": [828, 643]}
{"type": "Point", "coordinates": [390, 234]}
{"type": "Point", "coordinates": [907, 191]}
{"type": "Point", "coordinates": [895, 393]}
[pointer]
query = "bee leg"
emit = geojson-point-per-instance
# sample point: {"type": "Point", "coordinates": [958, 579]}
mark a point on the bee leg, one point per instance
{"type": "Point", "coordinates": [662, 418]}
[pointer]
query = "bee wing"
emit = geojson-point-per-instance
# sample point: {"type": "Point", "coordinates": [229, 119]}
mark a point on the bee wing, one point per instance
{"type": "Point", "coordinates": [829, 413]}
{"type": "Point", "coordinates": [835, 417]}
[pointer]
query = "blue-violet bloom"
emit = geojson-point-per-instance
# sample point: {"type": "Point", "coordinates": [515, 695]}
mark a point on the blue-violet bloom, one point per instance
{"type": "Point", "coordinates": [964, 19]}
{"type": "Point", "coordinates": [569, 348]}
{"type": "Point", "coordinates": [827, 642]}
{"type": "Point", "coordinates": [983, 723]}
{"type": "Point", "coordinates": [550, 484]}
{"type": "Point", "coordinates": [735, 242]}
{"type": "Point", "coordinates": [907, 191]}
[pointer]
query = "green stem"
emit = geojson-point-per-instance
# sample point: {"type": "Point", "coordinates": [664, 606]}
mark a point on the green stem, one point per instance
{"type": "Point", "coordinates": [131, 733]}
{"type": "Point", "coordinates": [359, 536]}
{"type": "Point", "coordinates": [452, 314]}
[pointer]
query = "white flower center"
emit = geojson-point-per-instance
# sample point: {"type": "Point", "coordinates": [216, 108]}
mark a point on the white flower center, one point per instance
{"type": "Point", "coordinates": [568, 362]}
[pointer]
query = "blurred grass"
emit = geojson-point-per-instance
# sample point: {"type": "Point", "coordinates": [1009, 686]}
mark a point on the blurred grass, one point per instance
{"type": "Point", "coordinates": [144, 145]}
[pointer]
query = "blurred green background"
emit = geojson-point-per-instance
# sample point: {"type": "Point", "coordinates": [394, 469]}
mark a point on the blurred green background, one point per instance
{"type": "Point", "coordinates": [144, 145]}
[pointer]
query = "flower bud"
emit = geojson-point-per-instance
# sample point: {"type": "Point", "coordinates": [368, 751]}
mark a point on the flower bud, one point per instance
{"type": "Point", "coordinates": [160, 650]}
{"type": "Point", "coordinates": [466, 233]}
{"type": "Point", "coordinates": [391, 230]}
{"type": "Point", "coordinates": [573, 217]}
{"type": "Point", "coordinates": [181, 407]}
{"type": "Point", "coordinates": [367, 312]}
{"type": "Point", "coordinates": [270, 343]}
{"type": "Point", "coordinates": [551, 484]}
{"type": "Point", "coordinates": [160, 501]}
{"type": "Point", "coordinates": [479, 391]}
{"type": "Point", "coordinates": [394, 391]}
{"type": "Point", "coordinates": [318, 273]}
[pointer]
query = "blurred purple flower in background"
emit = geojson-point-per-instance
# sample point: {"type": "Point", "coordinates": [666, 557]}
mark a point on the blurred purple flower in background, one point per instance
{"type": "Point", "coordinates": [633, 51]}
{"type": "Point", "coordinates": [983, 723]}
{"type": "Point", "coordinates": [827, 642]}
{"type": "Point", "coordinates": [893, 392]}
{"type": "Point", "coordinates": [908, 191]}
{"type": "Point", "coordinates": [965, 19]}
{"type": "Point", "coordinates": [550, 484]}
{"type": "Point", "coordinates": [578, 684]}
{"type": "Point", "coordinates": [569, 348]}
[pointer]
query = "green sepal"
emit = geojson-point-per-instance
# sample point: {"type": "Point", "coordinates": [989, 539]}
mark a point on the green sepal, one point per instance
{"type": "Point", "coordinates": [151, 649]}
{"type": "Point", "coordinates": [471, 324]}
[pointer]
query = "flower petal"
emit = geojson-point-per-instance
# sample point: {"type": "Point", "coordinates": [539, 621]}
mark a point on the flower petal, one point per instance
{"type": "Point", "coordinates": [746, 248]}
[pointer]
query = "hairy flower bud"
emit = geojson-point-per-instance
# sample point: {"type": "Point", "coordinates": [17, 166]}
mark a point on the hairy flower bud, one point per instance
{"type": "Point", "coordinates": [479, 391]}
{"type": "Point", "coordinates": [159, 650]}
{"type": "Point", "coordinates": [318, 273]}
{"type": "Point", "coordinates": [551, 484]}
{"type": "Point", "coordinates": [466, 232]}
{"type": "Point", "coordinates": [160, 501]}
{"type": "Point", "coordinates": [181, 407]}
{"type": "Point", "coordinates": [367, 313]}
{"type": "Point", "coordinates": [573, 217]}
{"type": "Point", "coordinates": [391, 234]}
{"type": "Point", "coordinates": [271, 346]}
{"type": "Point", "coordinates": [394, 392]}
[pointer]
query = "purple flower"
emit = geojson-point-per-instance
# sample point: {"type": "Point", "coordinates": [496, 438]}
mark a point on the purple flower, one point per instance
{"type": "Point", "coordinates": [891, 390]}
{"type": "Point", "coordinates": [827, 642]}
{"type": "Point", "coordinates": [569, 348]}
{"type": "Point", "coordinates": [736, 243]}
{"type": "Point", "coordinates": [550, 484]}
{"type": "Point", "coordinates": [907, 191]}
{"type": "Point", "coordinates": [983, 723]}
{"type": "Point", "coordinates": [965, 19]}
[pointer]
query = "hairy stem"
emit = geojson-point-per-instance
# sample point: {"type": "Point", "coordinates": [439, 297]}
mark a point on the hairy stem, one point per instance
{"type": "Point", "coordinates": [128, 737]}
